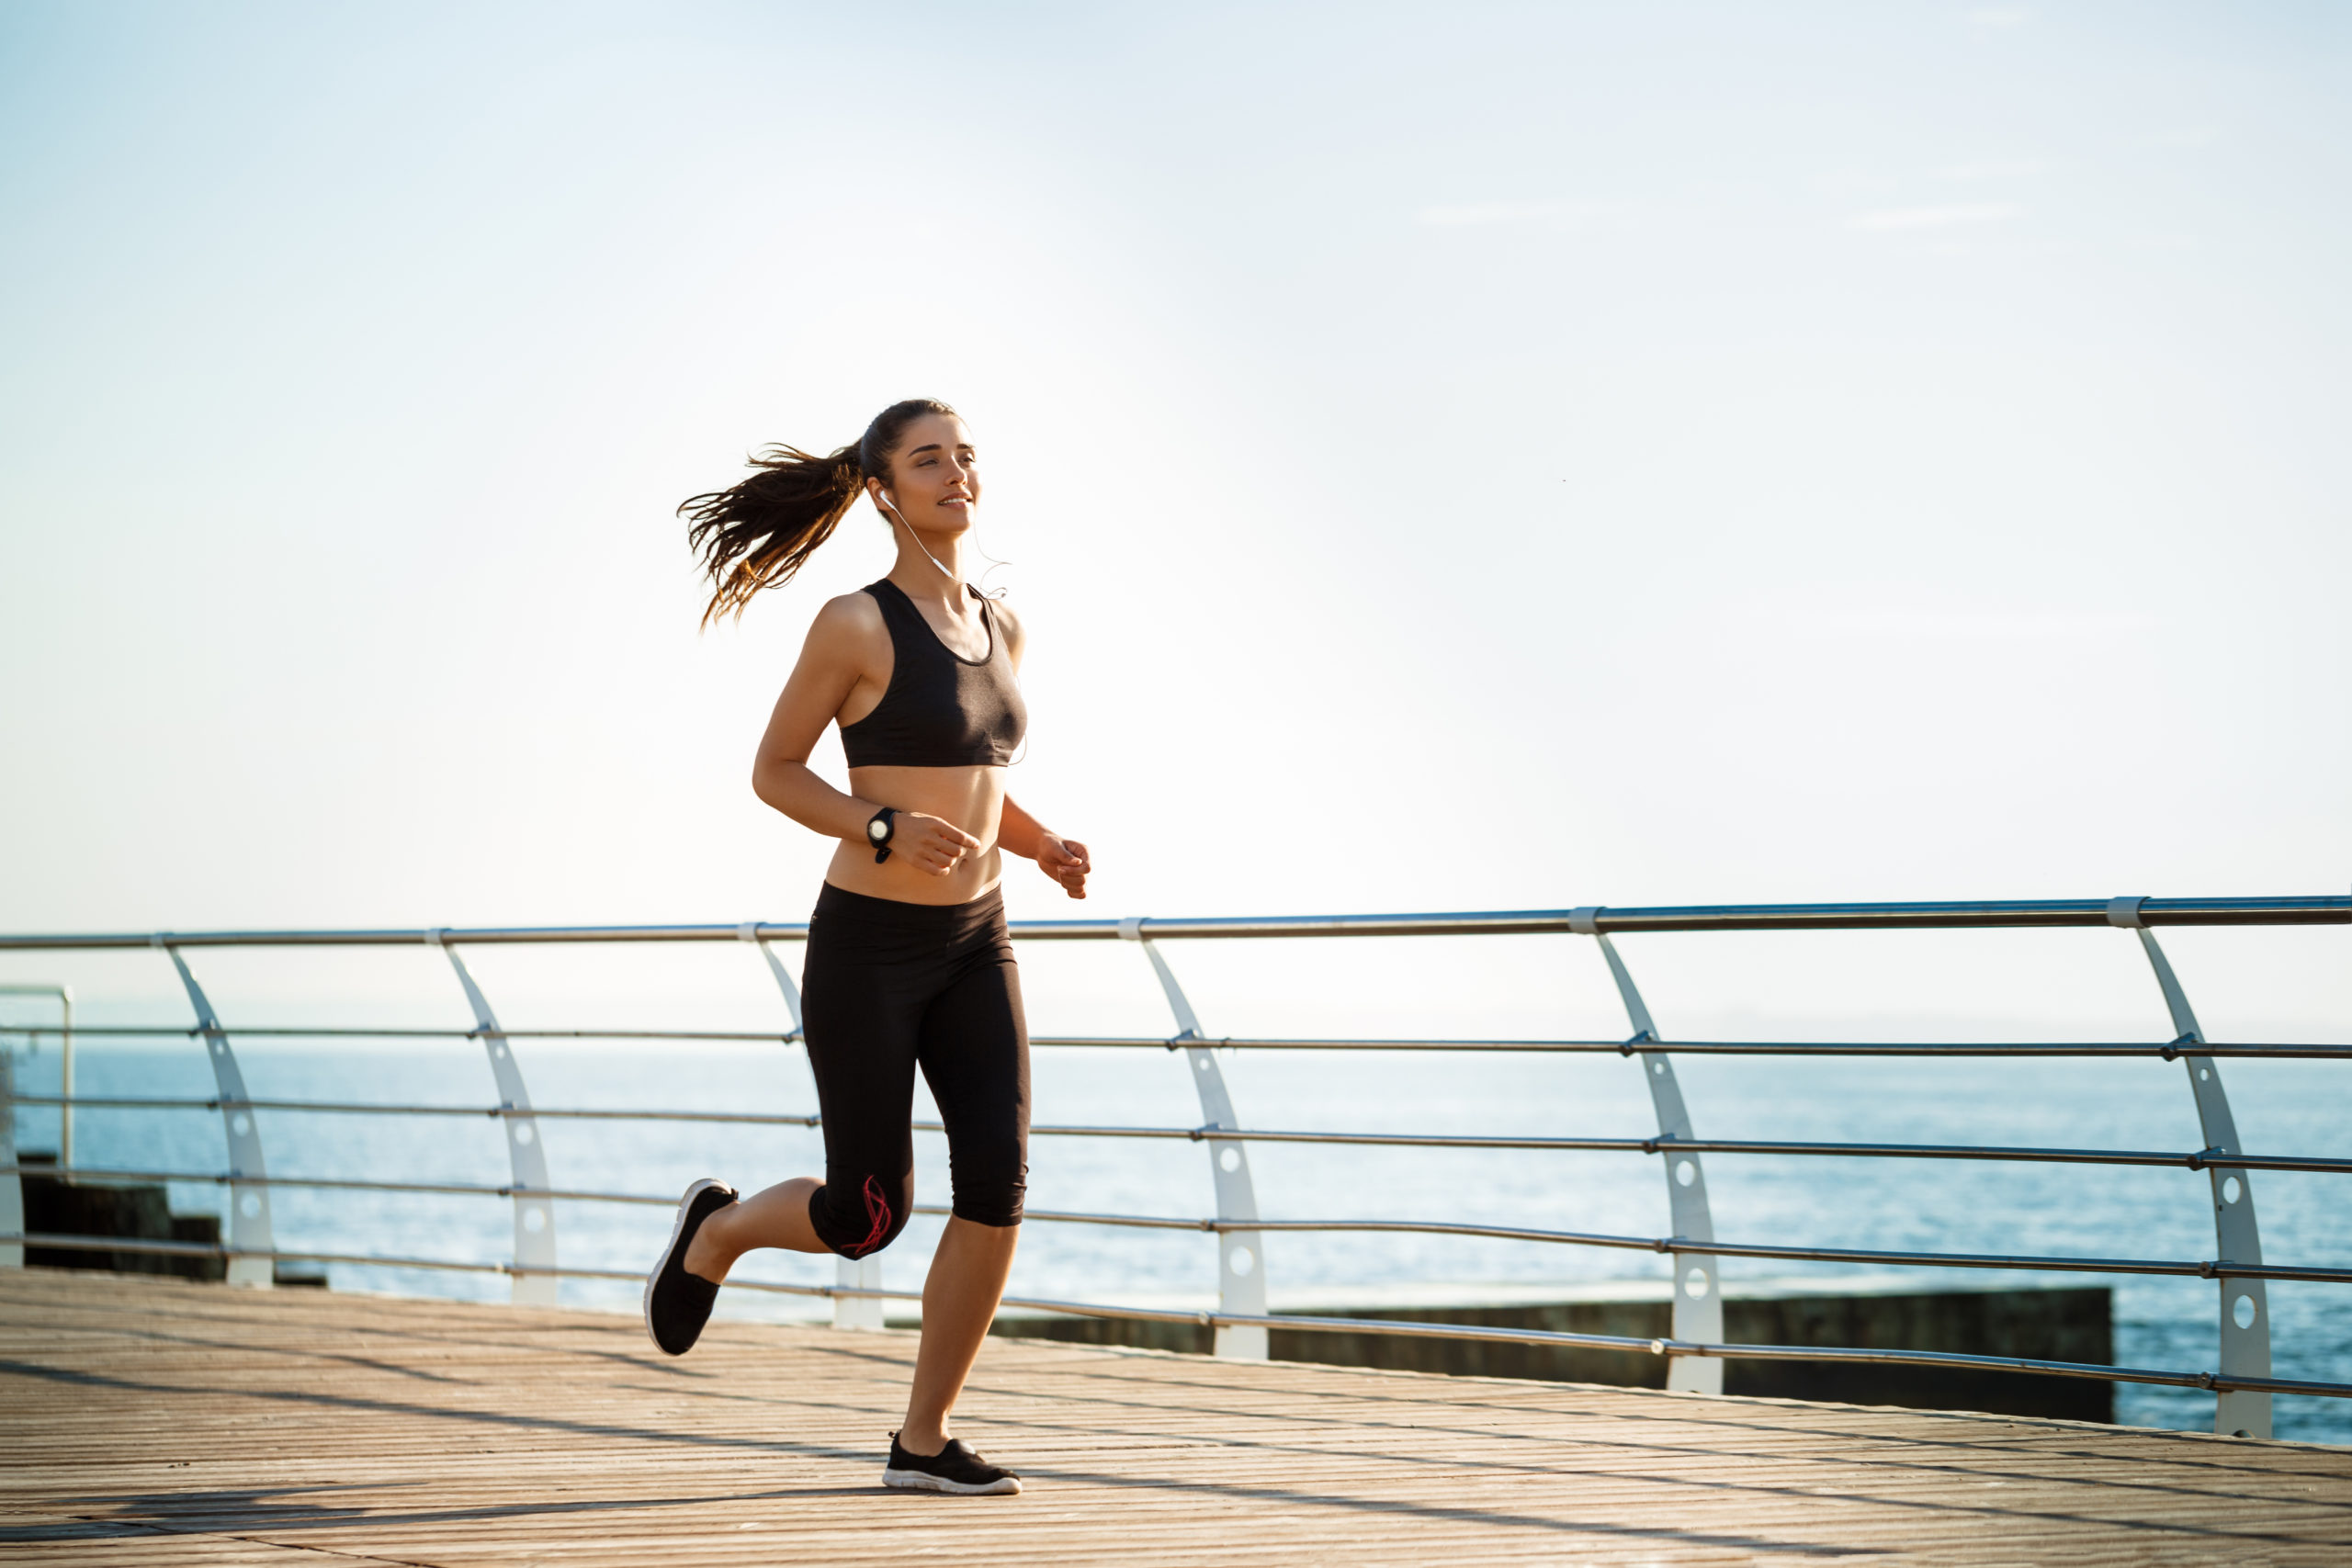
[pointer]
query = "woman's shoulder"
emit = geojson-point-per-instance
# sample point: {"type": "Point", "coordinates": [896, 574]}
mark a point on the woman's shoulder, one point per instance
{"type": "Point", "coordinates": [1008, 617]}
{"type": "Point", "coordinates": [850, 621]}
{"type": "Point", "coordinates": [860, 608]}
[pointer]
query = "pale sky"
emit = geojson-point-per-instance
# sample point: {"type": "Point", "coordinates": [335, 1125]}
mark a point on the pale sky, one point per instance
{"type": "Point", "coordinates": [1452, 456]}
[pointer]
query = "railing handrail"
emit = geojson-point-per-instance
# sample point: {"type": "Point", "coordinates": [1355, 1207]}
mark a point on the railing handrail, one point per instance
{"type": "Point", "coordinates": [2318, 909]}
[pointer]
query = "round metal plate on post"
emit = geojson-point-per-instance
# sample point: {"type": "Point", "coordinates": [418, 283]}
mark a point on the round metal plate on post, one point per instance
{"type": "Point", "coordinates": [1242, 1254]}
{"type": "Point", "coordinates": [2244, 1305]}
{"type": "Point", "coordinates": [527, 1156]}
{"type": "Point", "coordinates": [249, 1226]}
{"type": "Point", "coordinates": [1697, 1292]}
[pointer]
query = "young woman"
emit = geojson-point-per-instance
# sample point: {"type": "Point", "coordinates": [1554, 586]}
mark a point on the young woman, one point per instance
{"type": "Point", "coordinates": [908, 963]}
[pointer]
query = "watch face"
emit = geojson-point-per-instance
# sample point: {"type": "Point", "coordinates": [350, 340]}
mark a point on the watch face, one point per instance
{"type": "Point", "coordinates": [877, 829]}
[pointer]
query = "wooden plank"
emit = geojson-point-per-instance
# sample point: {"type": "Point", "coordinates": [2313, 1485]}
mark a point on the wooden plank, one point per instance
{"type": "Point", "coordinates": [152, 1421]}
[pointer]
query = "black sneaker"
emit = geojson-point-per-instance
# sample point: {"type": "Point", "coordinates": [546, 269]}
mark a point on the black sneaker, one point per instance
{"type": "Point", "coordinates": [953, 1469]}
{"type": "Point", "coordinates": [678, 1304]}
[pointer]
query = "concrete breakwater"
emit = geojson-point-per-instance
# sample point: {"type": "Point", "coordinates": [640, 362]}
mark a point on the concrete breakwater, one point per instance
{"type": "Point", "coordinates": [2063, 1323]}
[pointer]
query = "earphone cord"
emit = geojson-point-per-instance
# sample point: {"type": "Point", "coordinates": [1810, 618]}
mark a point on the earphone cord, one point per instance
{"type": "Point", "coordinates": [993, 562]}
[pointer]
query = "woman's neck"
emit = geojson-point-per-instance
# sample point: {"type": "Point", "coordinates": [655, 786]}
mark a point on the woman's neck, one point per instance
{"type": "Point", "coordinates": [937, 575]}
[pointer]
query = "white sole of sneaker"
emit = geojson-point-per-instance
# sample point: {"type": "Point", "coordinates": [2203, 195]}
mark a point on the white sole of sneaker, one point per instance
{"type": "Point", "coordinates": [677, 1228]}
{"type": "Point", "coordinates": [923, 1480]}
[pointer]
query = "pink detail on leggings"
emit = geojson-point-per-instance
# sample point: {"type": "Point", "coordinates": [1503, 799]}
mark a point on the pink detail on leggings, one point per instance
{"type": "Point", "coordinates": [878, 1209]}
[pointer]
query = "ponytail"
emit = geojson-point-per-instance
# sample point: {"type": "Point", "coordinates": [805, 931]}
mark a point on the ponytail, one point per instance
{"type": "Point", "coordinates": [757, 532]}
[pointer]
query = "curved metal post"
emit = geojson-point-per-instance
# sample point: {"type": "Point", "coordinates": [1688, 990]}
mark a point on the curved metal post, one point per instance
{"type": "Point", "coordinates": [1697, 1292]}
{"type": "Point", "coordinates": [2246, 1307]}
{"type": "Point", "coordinates": [1241, 1255]}
{"type": "Point", "coordinates": [64, 998]}
{"type": "Point", "coordinates": [248, 1227]}
{"type": "Point", "coordinates": [849, 1273]}
{"type": "Point", "coordinates": [527, 1156]}
{"type": "Point", "coordinates": [65, 1078]}
{"type": "Point", "coordinates": [12, 1186]}
{"type": "Point", "coordinates": [750, 932]}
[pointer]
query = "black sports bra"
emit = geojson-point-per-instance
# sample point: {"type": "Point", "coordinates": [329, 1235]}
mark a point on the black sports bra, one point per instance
{"type": "Point", "coordinates": [940, 710]}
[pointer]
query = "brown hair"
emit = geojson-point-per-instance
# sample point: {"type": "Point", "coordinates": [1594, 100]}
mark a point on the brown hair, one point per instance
{"type": "Point", "coordinates": [756, 533]}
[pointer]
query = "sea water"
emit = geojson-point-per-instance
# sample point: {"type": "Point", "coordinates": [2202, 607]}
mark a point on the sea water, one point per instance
{"type": "Point", "coordinates": [1960, 1206]}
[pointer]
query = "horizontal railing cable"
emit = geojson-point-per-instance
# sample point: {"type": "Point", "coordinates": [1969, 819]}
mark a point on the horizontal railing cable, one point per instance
{"type": "Point", "coordinates": [2198, 1159]}
{"type": "Point", "coordinates": [378, 1108]}
{"type": "Point", "coordinates": [2171, 1050]}
{"type": "Point", "coordinates": [352, 1031]}
{"type": "Point", "coordinates": [1316, 1323]}
{"type": "Point", "coordinates": [343, 1184]}
{"type": "Point", "coordinates": [2018, 1262]}
{"type": "Point", "coordinates": [2165, 1051]}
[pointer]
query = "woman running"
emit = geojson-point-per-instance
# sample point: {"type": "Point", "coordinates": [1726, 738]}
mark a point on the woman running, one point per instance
{"type": "Point", "coordinates": [909, 963]}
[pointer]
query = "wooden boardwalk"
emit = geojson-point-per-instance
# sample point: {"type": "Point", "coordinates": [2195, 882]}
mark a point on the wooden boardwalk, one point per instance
{"type": "Point", "coordinates": [157, 1423]}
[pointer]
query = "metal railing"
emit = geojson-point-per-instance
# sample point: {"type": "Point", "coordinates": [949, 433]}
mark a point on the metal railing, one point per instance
{"type": "Point", "coordinates": [1695, 1348]}
{"type": "Point", "coordinates": [64, 997]}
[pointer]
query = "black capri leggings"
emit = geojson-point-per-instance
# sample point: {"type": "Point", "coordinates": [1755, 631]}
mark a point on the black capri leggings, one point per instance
{"type": "Point", "coordinates": [889, 987]}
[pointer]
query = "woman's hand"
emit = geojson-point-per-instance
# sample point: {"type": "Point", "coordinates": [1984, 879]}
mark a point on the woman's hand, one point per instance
{"type": "Point", "coordinates": [1065, 861]}
{"type": "Point", "coordinates": [929, 843]}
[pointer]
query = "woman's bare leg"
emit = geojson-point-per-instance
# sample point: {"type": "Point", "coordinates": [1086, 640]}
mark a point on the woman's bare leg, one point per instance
{"type": "Point", "coordinates": [959, 1299]}
{"type": "Point", "coordinates": [776, 1217]}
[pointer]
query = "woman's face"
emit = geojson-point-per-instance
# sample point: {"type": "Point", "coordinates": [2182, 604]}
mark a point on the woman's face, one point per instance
{"type": "Point", "coordinates": [935, 476]}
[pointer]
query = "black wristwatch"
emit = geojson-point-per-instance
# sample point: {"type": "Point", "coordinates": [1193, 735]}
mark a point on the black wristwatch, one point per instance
{"type": "Point", "coordinates": [878, 831]}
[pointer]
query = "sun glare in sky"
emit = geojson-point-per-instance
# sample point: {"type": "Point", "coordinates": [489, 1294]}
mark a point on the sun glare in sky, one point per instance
{"type": "Point", "coordinates": [1448, 456]}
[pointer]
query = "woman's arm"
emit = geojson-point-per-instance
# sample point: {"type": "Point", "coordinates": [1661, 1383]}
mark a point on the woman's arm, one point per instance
{"type": "Point", "coordinates": [841, 651]}
{"type": "Point", "coordinates": [1064, 859]}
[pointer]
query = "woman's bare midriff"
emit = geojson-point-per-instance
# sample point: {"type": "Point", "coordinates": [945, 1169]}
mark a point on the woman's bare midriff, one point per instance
{"type": "Point", "coordinates": [972, 798]}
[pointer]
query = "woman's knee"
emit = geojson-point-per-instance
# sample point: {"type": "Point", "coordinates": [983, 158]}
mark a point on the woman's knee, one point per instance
{"type": "Point", "coordinates": [991, 1191]}
{"type": "Point", "coordinates": [857, 1218]}
{"type": "Point", "coordinates": [999, 1211]}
